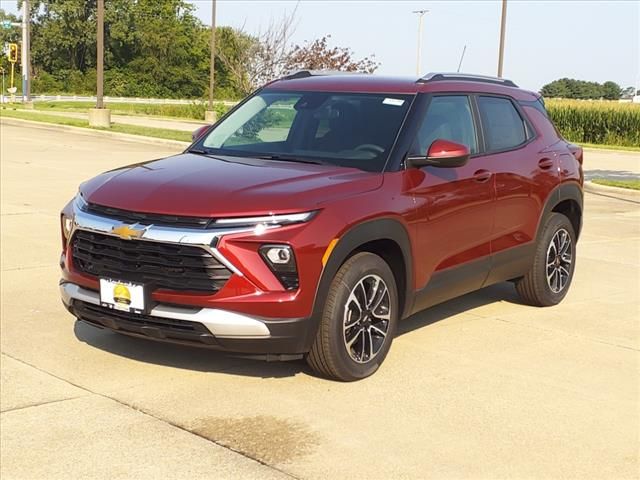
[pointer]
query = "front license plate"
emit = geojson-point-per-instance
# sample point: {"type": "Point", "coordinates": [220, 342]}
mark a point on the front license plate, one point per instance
{"type": "Point", "coordinates": [124, 296]}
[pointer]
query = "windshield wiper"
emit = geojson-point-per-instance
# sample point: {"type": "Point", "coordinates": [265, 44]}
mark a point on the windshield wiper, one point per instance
{"type": "Point", "coordinates": [288, 159]}
{"type": "Point", "coordinates": [198, 151]}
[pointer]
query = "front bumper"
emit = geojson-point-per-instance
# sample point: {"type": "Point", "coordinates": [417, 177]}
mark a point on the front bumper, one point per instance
{"type": "Point", "coordinates": [205, 327]}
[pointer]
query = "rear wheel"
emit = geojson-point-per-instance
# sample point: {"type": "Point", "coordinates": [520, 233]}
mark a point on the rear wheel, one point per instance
{"type": "Point", "coordinates": [551, 273]}
{"type": "Point", "coordinates": [359, 320]}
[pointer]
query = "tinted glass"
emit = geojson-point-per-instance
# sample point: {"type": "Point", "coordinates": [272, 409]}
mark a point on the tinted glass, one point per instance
{"type": "Point", "coordinates": [347, 129]}
{"type": "Point", "coordinates": [447, 118]}
{"type": "Point", "coordinates": [502, 124]}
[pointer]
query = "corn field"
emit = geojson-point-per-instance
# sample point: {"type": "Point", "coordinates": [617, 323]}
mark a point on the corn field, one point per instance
{"type": "Point", "coordinates": [599, 122]}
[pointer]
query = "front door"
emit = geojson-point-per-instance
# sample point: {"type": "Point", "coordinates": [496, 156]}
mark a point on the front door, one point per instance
{"type": "Point", "coordinates": [454, 213]}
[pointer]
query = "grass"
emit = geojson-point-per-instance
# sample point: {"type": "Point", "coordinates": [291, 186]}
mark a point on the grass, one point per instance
{"type": "Point", "coordinates": [630, 184]}
{"type": "Point", "coordinates": [163, 133]}
{"type": "Point", "coordinates": [610, 147]}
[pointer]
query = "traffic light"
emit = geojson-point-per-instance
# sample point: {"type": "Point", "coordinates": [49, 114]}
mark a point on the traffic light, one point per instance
{"type": "Point", "coordinates": [12, 54]}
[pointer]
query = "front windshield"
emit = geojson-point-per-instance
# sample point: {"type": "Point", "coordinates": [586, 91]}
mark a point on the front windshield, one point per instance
{"type": "Point", "coordinates": [347, 129]}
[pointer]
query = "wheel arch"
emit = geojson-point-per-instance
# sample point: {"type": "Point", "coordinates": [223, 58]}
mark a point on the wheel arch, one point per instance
{"type": "Point", "coordinates": [568, 200]}
{"type": "Point", "coordinates": [385, 237]}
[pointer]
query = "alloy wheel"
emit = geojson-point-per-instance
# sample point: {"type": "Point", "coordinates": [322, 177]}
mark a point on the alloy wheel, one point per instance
{"type": "Point", "coordinates": [559, 259]}
{"type": "Point", "coordinates": [366, 318]}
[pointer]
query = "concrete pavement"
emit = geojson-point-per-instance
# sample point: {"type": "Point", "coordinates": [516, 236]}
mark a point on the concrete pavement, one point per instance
{"type": "Point", "coordinates": [479, 387]}
{"type": "Point", "coordinates": [612, 165]}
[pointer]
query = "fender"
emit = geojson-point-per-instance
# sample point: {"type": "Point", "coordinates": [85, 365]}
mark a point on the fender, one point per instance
{"type": "Point", "coordinates": [564, 191]}
{"type": "Point", "coordinates": [360, 234]}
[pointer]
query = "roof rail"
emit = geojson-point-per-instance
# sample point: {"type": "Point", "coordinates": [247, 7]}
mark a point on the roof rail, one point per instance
{"type": "Point", "coordinates": [316, 73]}
{"type": "Point", "coordinates": [465, 77]}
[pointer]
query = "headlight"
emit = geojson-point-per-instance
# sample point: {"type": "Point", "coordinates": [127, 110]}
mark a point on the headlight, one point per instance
{"type": "Point", "coordinates": [66, 221]}
{"type": "Point", "coordinates": [67, 226]}
{"type": "Point", "coordinates": [266, 220]}
{"type": "Point", "coordinates": [282, 262]}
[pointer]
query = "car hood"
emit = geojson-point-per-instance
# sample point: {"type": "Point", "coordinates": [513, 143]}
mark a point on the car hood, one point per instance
{"type": "Point", "coordinates": [198, 185]}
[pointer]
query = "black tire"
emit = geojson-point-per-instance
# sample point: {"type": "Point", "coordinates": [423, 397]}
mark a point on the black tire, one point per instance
{"type": "Point", "coordinates": [535, 288]}
{"type": "Point", "coordinates": [330, 356]}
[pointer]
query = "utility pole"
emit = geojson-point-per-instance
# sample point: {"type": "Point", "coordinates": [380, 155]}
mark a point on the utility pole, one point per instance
{"type": "Point", "coordinates": [26, 60]}
{"type": "Point", "coordinates": [503, 26]}
{"type": "Point", "coordinates": [2, 72]}
{"type": "Point", "coordinates": [100, 116]}
{"type": "Point", "coordinates": [210, 114]}
{"type": "Point", "coordinates": [420, 14]}
{"type": "Point", "coordinates": [100, 55]}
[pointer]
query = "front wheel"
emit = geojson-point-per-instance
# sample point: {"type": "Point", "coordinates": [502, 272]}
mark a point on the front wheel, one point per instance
{"type": "Point", "coordinates": [359, 320]}
{"type": "Point", "coordinates": [549, 278]}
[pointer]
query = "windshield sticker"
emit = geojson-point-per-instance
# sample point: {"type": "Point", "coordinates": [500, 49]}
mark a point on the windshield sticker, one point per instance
{"type": "Point", "coordinates": [396, 102]}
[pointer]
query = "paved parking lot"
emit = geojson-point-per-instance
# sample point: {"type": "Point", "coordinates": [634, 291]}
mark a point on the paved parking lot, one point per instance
{"type": "Point", "coordinates": [479, 387]}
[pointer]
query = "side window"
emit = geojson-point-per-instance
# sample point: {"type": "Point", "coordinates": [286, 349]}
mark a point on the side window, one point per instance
{"type": "Point", "coordinates": [447, 118]}
{"type": "Point", "coordinates": [502, 124]}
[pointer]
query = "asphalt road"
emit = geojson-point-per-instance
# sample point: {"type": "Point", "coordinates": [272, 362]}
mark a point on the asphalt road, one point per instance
{"type": "Point", "coordinates": [479, 387]}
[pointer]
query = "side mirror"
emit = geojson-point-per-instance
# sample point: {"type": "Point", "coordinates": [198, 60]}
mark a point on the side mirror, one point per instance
{"type": "Point", "coordinates": [443, 154]}
{"type": "Point", "coordinates": [199, 132]}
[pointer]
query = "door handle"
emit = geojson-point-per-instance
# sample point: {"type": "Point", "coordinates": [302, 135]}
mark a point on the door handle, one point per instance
{"type": "Point", "coordinates": [482, 176]}
{"type": "Point", "coordinates": [545, 163]}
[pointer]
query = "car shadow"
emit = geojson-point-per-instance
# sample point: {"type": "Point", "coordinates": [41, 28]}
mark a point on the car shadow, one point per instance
{"type": "Point", "coordinates": [500, 292]}
{"type": "Point", "coordinates": [184, 357]}
{"type": "Point", "coordinates": [205, 360]}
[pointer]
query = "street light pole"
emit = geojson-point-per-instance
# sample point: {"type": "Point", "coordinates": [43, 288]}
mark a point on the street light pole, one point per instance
{"type": "Point", "coordinates": [26, 47]}
{"type": "Point", "coordinates": [420, 14]}
{"type": "Point", "coordinates": [503, 26]}
{"type": "Point", "coordinates": [210, 114]}
{"type": "Point", "coordinates": [100, 116]}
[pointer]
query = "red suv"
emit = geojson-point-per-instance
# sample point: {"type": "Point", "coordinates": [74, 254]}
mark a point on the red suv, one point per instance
{"type": "Point", "coordinates": [321, 211]}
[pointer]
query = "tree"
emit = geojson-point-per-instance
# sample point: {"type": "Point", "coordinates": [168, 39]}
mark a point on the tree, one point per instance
{"type": "Point", "coordinates": [611, 91]}
{"type": "Point", "coordinates": [628, 92]}
{"type": "Point", "coordinates": [11, 35]}
{"type": "Point", "coordinates": [259, 59]}
{"type": "Point", "coordinates": [570, 88]}
{"type": "Point", "coordinates": [318, 55]}
{"type": "Point", "coordinates": [556, 89]}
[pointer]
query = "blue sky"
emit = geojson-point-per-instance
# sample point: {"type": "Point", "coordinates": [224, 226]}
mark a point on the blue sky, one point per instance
{"type": "Point", "coordinates": [546, 40]}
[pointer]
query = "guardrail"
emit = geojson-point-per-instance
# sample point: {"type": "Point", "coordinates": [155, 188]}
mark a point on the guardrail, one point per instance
{"type": "Point", "coordinates": [81, 98]}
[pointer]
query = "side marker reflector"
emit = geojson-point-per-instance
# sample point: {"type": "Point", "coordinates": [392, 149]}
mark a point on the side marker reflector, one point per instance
{"type": "Point", "coordinates": [327, 253]}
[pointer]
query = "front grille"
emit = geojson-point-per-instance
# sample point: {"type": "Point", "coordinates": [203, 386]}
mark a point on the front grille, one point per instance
{"type": "Point", "coordinates": [153, 327]}
{"type": "Point", "coordinates": [160, 265]}
{"type": "Point", "coordinates": [149, 218]}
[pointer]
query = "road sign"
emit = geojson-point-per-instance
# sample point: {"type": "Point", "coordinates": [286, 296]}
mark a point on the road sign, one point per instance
{"type": "Point", "coordinates": [6, 24]}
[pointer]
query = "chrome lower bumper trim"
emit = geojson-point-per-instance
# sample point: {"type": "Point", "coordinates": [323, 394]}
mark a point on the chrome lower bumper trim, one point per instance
{"type": "Point", "coordinates": [220, 323]}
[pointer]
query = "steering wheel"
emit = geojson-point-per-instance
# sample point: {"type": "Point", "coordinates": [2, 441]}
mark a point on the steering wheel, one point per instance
{"type": "Point", "coordinates": [370, 147]}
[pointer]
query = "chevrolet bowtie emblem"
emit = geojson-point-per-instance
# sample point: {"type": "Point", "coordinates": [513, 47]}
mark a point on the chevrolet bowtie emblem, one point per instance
{"type": "Point", "coordinates": [127, 232]}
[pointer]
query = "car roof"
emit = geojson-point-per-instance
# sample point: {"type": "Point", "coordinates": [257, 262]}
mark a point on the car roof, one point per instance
{"type": "Point", "coordinates": [366, 83]}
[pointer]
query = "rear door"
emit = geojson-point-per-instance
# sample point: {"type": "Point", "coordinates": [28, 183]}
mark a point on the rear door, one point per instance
{"type": "Point", "coordinates": [525, 172]}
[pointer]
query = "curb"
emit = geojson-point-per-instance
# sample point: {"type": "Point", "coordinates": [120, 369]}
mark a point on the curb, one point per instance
{"type": "Point", "coordinates": [127, 137]}
{"type": "Point", "coordinates": [614, 192]}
